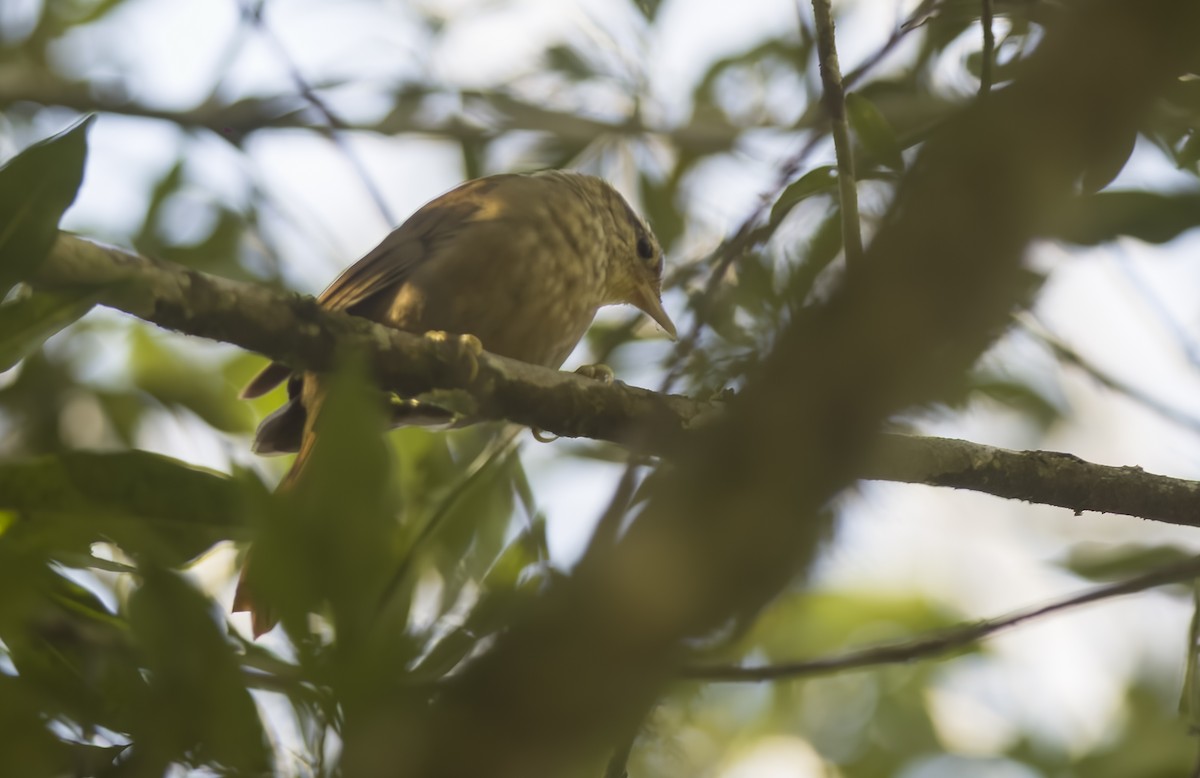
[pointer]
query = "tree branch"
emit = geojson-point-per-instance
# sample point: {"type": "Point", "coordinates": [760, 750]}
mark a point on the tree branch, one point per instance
{"type": "Point", "coordinates": [1046, 477]}
{"type": "Point", "coordinates": [20, 83]}
{"type": "Point", "coordinates": [298, 332]}
{"type": "Point", "coordinates": [834, 100]}
{"type": "Point", "coordinates": [294, 330]}
{"type": "Point", "coordinates": [946, 641]}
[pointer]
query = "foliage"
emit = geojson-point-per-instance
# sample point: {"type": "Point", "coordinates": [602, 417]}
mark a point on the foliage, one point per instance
{"type": "Point", "coordinates": [397, 564]}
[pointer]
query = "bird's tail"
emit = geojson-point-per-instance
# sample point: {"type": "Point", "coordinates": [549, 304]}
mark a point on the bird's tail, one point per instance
{"type": "Point", "coordinates": [263, 617]}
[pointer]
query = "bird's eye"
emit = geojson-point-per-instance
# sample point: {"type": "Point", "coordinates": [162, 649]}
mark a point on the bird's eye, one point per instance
{"type": "Point", "coordinates": [645, 248]}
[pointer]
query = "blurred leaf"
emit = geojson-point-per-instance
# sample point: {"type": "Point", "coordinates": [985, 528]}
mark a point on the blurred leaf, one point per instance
{"type": "Point", "coordinates": [133, 483]}
{"type": "Point", "coordinates": [649, 8]}
{"type": "Point", "coordinates": [145, 502]}
{"type": "Point", "coordinates": [1018, 396]}
{"type": "Point", "coordinates": [175, 380]}
{"type": "Point", "coordinates": [330, 536]}
{"type": "Point", "coordinates": [755, 288]}
{"type": "Point", "coordinates": [91, 11]}
{"type": "Point", "coordinates": [661, 209]}
{"type": "Point", "coordinates": [198, 709]}
{"type": "Point", "coordinates": [75, 652]}
{"type": "Point", "coordinates": [218, 251]}
{"type": "Point", "coordinates": [1150, 740]}
{"type": "Point", "coordinates": [473, 522]}
{"type": "Point", "coordinates": [826, 243]}
{"type": "Point", "coordinates": [1189, 152]}
{"type": "Point", "coordinates": [804, 625]}
{"type": "Point", "coordinates": [1149, 216]}
{"type": "Point", "coordinates": [25, 324]}
{"type": "Point", "coordinates": [36, 187]}
{"type": "Point", "coordinates": [1189, 700]}
{"type": "Point", "coordinates": [1104, 562]}
{"type": "Point", "coordinates": [1101, 172]}
{"type": "Point", "coordinates": [816, 181]}
{"type": "Point", "coordinates": [874, 132]}
{"type": "Point", "coordinates": [33, 403]}
{"type": "Point", "coordinates": [567, 59]}
{"type": "Point", "coordinates": [793, 52]}
{"type": "Point", "coordinates": [29, 747]}
{"type": "Point", "coordinates": [500, 598]}
{"type": "Point", "coordinates": [147, 240]}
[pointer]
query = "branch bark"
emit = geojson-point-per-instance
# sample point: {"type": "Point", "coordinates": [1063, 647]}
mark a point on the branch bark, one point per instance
{"type": "Point", "coordinates": [294, 330]}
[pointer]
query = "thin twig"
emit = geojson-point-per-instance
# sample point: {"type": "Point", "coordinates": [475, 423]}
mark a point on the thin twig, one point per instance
{"type": "Point", "coordinates": [960, 637]}
{"type": "Point", "coordinates": [333, 124]}
{"type": "Point", "coordinates": [989, 49]}
{"type": "Point", "coordinates": [751, 232]}
{"type": "Point", "coordinates": [1158, 306]}
{"type": "Point", "coordinates": [870, 62]}
{"type": "Point", "coordinates": [835, 105]}
{"type": "Point", "coordinates": [1070, 356]}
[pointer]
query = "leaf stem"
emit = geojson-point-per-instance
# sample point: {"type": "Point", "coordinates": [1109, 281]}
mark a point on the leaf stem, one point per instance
{"type": "Point", "coordinates": [835, 104]}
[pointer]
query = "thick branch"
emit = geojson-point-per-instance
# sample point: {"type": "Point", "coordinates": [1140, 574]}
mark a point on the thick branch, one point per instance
{"type": "Point", "coordinates": [294, 330]}
{"type": "Point", "coordinates": [1046, 477]}
{"type": "Point", "coordinates": [298, 332]}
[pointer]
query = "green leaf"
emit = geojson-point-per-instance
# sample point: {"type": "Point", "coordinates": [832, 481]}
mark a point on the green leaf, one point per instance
{"type": "Point", "coordinates": [1189, 152]}
{"type": "Point", "coordinates": [29, 747]}
{"type": "Point", "coordinates": [568, 60]}
{"type": "Point", "coordinates": [1149, 216]}
{"type": "Point", "coordinates": [148, 504]}
{"type": "Point", "coordinates": [36, 187]}
{"type": "Point", "coordinates": [78, 655]}
{"type": "Point", "coordinates": [1104, 562]}
{"type": "Point", "coordinates": [502, 594]}
{"type": "Point", "coordinates": [825, 243]}
{"type": "Point", "coordinates": [649, 8]}
{"type": "Point", "coordinates": [328, 539]}
{"type": "Point", "coordinates": [198, 710]}
{"type": "Point", "coordinates": [813, 182]}
{"type": "Point", "coordinates": [1108, 163]}
{"type": "Point", "coordinates": [1015, 394]}
{"type": "Point", "coordinates": [175, 380]}
{"type": "Point", "coordinates": [874, 132]}
{"type": "Point", "coordinates": [1189, 701]}
{"type": "Point", "coordinates": [25, 324]}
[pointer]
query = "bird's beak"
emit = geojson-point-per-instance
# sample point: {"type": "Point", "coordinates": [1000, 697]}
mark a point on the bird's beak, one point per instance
{"type": "Point", "coordinates": [647, 299]}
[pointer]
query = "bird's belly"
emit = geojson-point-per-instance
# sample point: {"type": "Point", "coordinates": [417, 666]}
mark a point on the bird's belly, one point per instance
{"type": "Point", "coordinates": [540, 329]}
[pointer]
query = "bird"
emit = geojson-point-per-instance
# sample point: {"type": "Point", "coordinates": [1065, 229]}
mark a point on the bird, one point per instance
{"type": "Point", "coordinates": [517, 263]}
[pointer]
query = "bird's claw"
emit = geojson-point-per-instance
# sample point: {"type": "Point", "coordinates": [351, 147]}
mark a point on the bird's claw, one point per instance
{"type": "Point", "coordinates": [602, 373]}
{"type": "Point", "coordinates": [541, 436]}
{"type": "Point", "coordinates": [465, 349]}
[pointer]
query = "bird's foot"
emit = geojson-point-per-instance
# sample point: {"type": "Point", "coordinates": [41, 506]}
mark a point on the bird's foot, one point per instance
{"type": "Point", "coordinates": [602, 373]}
{"type": "Point", "coordinates": [464, 349]}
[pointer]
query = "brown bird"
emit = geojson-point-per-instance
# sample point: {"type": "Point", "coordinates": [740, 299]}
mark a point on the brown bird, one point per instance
{"type": "Point", "coordinates": [520, 261]}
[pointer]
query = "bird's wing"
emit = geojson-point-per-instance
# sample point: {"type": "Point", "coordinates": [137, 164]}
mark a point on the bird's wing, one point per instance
{"type": "Point", "coordinates": [390, 264]}
{"type": "Point", "coordinates": [415, 242]}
